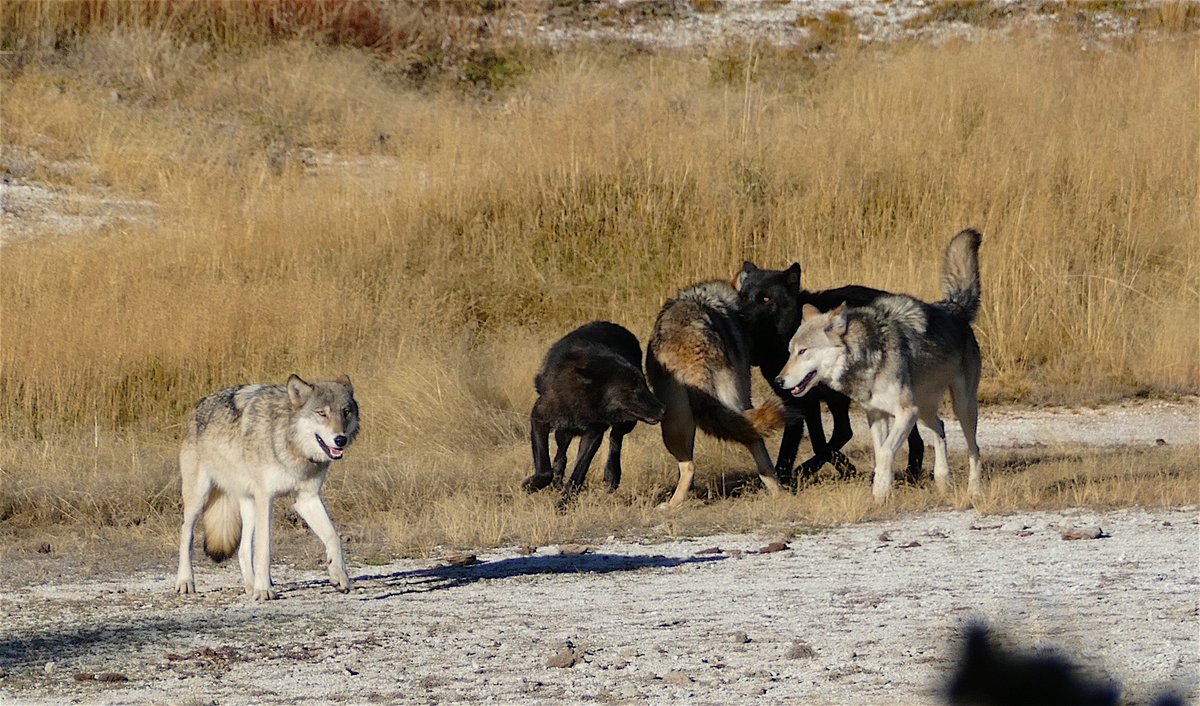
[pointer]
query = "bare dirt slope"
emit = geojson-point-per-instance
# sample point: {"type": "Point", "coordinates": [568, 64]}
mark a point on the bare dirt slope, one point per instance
{"type": "Point", "coordinates": [863, 614]}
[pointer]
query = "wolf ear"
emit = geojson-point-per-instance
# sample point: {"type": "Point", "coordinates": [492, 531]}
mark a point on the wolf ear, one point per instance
{"type": "Point", "coordinates": [344, 381]}
{"type": "Point", "coordinates": [793, 275]}
{"type": "Point", "coordinates": [808, 311]}
{"type": "Point", "coordinates": [838, 323]}
{"type": "Point", "coordinates": [740, 278]}
{"type": "Point", "coordinates": [297, 390]}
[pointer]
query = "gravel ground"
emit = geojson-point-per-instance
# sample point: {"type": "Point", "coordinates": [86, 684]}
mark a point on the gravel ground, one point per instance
{"type": "Point", "coordinates": [862, 614]}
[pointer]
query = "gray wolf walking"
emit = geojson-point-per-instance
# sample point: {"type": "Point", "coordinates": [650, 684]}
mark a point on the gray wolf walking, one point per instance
{"type": "Point", "coordinates": [591, 380]}
{"type": "Point", "coordinates": [698, 364]}
{"type": "Point", "coordinates": [897, 357]}
{"type": "Point", "coordinates": [771, 302]}
{"type": "Point", "coordinates": [244, 447]}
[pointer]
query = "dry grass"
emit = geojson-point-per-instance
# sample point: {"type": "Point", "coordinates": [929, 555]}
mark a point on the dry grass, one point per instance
{"type": "Point", "coordinates": [451, 239]}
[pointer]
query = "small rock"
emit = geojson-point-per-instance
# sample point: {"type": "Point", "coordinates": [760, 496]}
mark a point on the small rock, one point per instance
{"type": "Point", "coordinates": [938, 533]}
{"type": "Point", "coordinates": [1025, 533]}
{"type": "Point", "coordinates": [350, 671]}
{"type": "Point", "coordinates": [735, 553]}
{"type": "Point", "coordinates": [774, 547]}
{"type": "Point", "coordinates": [116, 97]}
{"type": "Point", "coordinates": [801, 650]}
{"type": "Point", "coordinates": [526, 549]}
{"type": "Point", "coordinates": [83, 676]}
{"type": "Point", "coordinates": [909, 545]}
{"type": "Point", "coordinates": [573, 549]}
{"type": "Point", "coordinates": [50, 667]}
{"type": "Point", "coordinates": [1091, 532]}
{"type": "Point", "coordinates": [111, 677]}
{"type": "Point", "coordinates": [885, 537]}
{"type": "Point", "coordinates": [710, 550]}
{"type": "Point", "coordinates": [985, 527]}
{"type": "Point", "coordinates": [678, 679]}
{"type": "Point", "coordinates": [462, 559]}
{"type": "Point", "coordinates": [1160, 442]}
{"type": "Point", "coordinates": [566, 657]}
{"type": "Point", "coordinates": [740, 637]}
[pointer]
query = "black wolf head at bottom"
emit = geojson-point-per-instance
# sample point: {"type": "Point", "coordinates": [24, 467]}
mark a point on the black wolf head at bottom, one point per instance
{"type": "Point", "coordinates": [989, 674]}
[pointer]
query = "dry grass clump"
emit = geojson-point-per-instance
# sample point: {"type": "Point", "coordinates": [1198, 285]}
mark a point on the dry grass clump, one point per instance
{"type": "Point", "coordinates": [315, 214]}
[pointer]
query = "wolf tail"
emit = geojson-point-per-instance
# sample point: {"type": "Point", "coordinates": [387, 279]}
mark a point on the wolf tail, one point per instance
{"type": "Point", "coordinates": [222, 526]}
{"type": "Point", "coordinates": [742, 426]}
{"type": "Point", "coordinates": [960, 275]}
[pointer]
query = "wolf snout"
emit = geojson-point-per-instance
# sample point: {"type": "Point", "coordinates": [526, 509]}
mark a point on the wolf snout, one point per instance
{"type": "Point", "coordinates": [340, 441]}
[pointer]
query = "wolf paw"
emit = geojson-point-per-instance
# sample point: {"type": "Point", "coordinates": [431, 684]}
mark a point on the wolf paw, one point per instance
{"type": "Point", "coordinates": [532, 484]}
{"type": "Point", "coordinates": [268, 594]}
{"type": "Point", "coordinates": [340, 579]}
{"type": "Point", "coordinates": [185, 586]}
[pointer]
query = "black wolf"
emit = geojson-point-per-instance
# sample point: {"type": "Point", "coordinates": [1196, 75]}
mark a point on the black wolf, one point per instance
{"type": "Point", "coordinates": [771, 302]}
{"type": "Point", "coordinates": [591, 380]}
{"type": "Point", "coordinates": [990, 675]}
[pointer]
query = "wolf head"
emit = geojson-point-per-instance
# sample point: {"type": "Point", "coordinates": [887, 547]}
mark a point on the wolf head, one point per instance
{"type": "Point", "coordinates": [817, 352]}
{"type": "Point", "coordinates": [989, 674]}
{"type": "Point", "coordinates": [619, 389]}
{"type": "Point", "coordinates": [324, 417]}
{"type": "Point", "coordinates": [769, 299]}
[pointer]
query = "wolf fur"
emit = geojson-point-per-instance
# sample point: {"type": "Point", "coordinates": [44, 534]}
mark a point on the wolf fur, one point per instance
{"type": "Point", "coordinates": [698, 364]}
{"type": "Point", "coordinates": [897, 357]}
{"type": "Point", "coordinates": [988, 674]}
{"type": "Point", "coordinates": [771, 302]}
{"type": "Point", "coordinates": [590, 381]}
{"type": "Point", "coordinates": [244, 447]}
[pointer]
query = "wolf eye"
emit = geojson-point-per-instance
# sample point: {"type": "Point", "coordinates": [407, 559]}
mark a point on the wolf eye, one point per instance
{"type": "Point", "coordinates": [320, 413]}
{"type": "Point", "coordinates": [801, 351]}
{"type": "Point", "coordinates": [765, 299]}
{"type": "Point", "coordinates": [346, 412]}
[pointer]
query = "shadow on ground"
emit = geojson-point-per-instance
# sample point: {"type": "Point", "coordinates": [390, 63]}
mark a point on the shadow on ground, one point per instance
{"type": "Point", "coordinates": [444, 577]}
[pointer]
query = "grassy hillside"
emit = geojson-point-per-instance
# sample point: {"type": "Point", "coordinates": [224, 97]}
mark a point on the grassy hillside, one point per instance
{"type": "Point", "coordinates": [321, 207]}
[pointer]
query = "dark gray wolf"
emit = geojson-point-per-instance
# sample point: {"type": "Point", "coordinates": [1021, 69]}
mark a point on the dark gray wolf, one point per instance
{"type": "Point", "coordinates": [698, 364]}
{"type": "Point", "coordinates": [990, 675]}
{"type": "Point", "coordinates": [897, 357]}
{"type": "Point", "coordinates": [591, 380]}
{"type": "Point", "coordinates": [771, 302]}
{"type": "Point", "coordinates": [244, 447]}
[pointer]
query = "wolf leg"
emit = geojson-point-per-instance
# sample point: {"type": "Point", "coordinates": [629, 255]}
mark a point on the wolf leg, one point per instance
{"type": "Point", "coordinates": [612, 469]}
{"type": "Point", "coordinates": [916, 456]}
{"type": "Point", "coordinates": [679, 436]}
{"type": "Point", "coordinates": [539, 439]}
{"type": "Point", "coordinates": [941, 465]}
{"type": "Point", "coordinates": [263, 509]}
{"type": "Point", "coordinates": [589, 443]}
{"type": "Point", "coordinates": [562, 443]}
{"type": "Point", "coordinates": [901, 424]}
{"type": "Point", "coordinates": [312, 510]}
{"type": "Point", "coordinates": [839, 409]}
{"type": "Point", "coordinates": [766, 472]}
{"type": "Point", "coordinates": [196, 487]}
{"type": "Point", "coordinates": [964, 398]}
{"type": "Point", "coordinates": [246, 549]}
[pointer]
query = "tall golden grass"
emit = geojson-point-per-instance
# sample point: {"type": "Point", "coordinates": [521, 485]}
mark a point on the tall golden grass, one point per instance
{"type": "Point", "coordinates": [316, 213]}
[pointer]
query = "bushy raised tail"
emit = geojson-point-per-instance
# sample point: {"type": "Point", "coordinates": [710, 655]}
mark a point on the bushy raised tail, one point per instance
{"type": "Point", "coordinates": [222, 526]}
{"type": "Point", "coordinates": [960, 275]}
{"type": "Point", "coordinates": [744, 427]}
